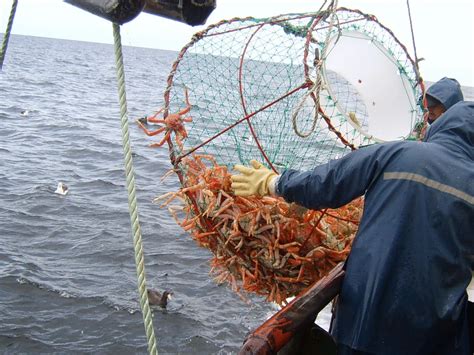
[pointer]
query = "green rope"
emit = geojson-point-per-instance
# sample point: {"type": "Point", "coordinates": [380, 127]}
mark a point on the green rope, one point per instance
{"type": "Point", "coordinates": [6, 37]}
{"type": "Point", "coordinates": [132, 199]}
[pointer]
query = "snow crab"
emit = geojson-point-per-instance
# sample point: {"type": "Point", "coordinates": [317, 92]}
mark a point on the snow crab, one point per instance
{"type": "Point", "coordinates": [174, 122]}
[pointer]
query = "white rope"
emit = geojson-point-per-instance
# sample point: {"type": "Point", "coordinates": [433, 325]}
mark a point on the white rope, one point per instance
{"type": "Point", "coordinates": [6, 36]}
{"type": "Point", "coordinates": [132, 199]}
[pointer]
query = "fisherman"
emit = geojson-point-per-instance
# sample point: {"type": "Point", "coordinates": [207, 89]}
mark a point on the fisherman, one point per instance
{"type": "Point", "coordinates": [441, 96]}
{"type": "Point", "coordinates": [404, 291]}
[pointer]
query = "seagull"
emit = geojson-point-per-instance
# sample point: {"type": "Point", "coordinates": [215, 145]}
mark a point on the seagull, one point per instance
{"type": "Point", "coordinates": [155, 298]}
{"type": "Point", "coordinates": [62, 189]}
{"type": "Point", "coordinates": [25, 113]}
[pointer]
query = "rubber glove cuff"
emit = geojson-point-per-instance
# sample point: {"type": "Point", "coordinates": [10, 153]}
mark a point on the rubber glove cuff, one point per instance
{"type": "Point", "coordinates": [272, 185]}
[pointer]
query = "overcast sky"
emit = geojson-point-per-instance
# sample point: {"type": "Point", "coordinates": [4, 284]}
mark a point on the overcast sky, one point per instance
{"type": "Point", "coordinates": [444, 30]}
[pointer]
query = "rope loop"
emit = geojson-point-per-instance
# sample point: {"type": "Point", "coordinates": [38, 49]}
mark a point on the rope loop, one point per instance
{"type": "Point", "coordinates": [315, 89]}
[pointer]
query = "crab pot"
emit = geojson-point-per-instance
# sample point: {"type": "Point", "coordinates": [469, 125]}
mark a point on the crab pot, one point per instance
{"type": "Point", "coordinates": [191, 12]}
{"type": "Point", "coordinates": [117, 11]}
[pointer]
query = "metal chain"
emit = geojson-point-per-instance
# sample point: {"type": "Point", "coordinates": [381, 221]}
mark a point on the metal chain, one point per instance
{"type": "Point", "coordinates": [132, 199]}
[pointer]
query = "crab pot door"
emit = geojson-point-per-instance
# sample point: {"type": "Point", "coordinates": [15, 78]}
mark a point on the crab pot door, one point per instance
{"type": "Point", "coordinates": [369, 87]}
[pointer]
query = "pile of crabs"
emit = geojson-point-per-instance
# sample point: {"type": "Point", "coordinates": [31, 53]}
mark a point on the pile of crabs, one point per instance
{"type": "Point", "coordinates": [261, 245]}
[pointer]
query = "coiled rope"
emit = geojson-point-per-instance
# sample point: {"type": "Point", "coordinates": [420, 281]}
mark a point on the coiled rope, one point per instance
{"type": "Point", "coordinates": [132, 199]}
{"type": "Point", "coordinates": [6, 36]}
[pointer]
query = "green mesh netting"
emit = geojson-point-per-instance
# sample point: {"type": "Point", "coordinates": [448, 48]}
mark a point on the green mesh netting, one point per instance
{"type": "Point", "coordinates": [236, 67]}
{"type": "Point", "coordinates": [253, 94]}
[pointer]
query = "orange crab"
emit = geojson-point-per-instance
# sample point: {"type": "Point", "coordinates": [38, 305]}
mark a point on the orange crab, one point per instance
{"type": "Point", "coordinates": [174, 122]}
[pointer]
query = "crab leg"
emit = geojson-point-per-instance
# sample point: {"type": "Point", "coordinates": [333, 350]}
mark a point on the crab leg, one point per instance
{"type": "Point", "coordinates": [154, 119]}
{"type": "Point", "coordinates": [148, 132]}
{"type": "Point", "coordinates": [167, 135]}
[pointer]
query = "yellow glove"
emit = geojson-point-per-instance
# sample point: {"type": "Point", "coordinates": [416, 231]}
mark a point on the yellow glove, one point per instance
{"type": "Point", "coordinates": [255, 180]}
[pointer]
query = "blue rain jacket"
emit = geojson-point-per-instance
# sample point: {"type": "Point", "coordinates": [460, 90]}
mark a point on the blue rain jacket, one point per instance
{"type": "Point", "coordinates": [405, 286]}
{"type": "Point", "coordinates": [447, 91]}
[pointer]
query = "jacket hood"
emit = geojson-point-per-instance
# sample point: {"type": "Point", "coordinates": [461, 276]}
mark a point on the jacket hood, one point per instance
{"type": "Point", "coordinates": [447, 91]}
{"type": "Point", "coordinates": [455, 128]}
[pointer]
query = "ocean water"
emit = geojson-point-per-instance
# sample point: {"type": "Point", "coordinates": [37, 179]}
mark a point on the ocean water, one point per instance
{"type": "Point", "coordinates": [67, 271]}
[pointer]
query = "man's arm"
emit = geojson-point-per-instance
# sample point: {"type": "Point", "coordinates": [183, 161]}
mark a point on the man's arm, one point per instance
{"type": "Point", "coordinates": [335, 183]}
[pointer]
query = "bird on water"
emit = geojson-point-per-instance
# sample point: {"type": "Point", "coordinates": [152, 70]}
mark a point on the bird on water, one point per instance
{"type": "Point", "coordinates": [156, 298]}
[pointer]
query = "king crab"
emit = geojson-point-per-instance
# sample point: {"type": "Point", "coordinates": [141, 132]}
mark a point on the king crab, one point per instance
{"type": "Point", "coordinates": [174, 122]}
